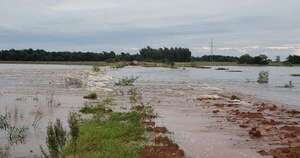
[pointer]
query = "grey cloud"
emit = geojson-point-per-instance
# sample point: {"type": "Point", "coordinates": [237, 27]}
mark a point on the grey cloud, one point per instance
{"type": "Point", "coordinates": [127, 24]}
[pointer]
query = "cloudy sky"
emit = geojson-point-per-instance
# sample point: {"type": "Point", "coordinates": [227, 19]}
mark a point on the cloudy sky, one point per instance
{"type": "Point", "coordinates": [237, 26]}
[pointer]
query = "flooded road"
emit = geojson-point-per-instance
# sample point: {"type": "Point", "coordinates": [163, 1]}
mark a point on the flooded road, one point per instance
{"type": "Point", "coordinates": [201, 133]}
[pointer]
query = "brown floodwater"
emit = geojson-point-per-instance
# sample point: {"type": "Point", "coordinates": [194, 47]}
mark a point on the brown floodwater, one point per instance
{"type": "Point", "coordinates": [197, 130]}
{"type": "Point", "coordinates": [33, 95]}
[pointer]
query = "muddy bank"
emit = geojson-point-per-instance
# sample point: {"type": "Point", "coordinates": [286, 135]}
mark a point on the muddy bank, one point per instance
{"type": "Point", "coordinates": [205, 120]}
{"type": "Point", "coordinates": [196, 133]}
{"type": "Point", "coordinates": [209, 122]}
{"type": "Point", "coordinates": [275, 125]}
{"type": "Point", "coordinates": [203, 126]}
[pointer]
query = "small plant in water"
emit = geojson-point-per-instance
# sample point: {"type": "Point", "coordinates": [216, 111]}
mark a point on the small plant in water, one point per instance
{"type": "Point", "coordinates": [4, 122]}
{"type": "Point", "coordinates": [73, 82]}
{"type": "Point", "coordinates": [92, 95]}
{"type": "Point", "coordinates": [56, 139]}
{"type": "Point", "coordinates": [96, 68]}
{"type": "Point", "coordinates": [15, 134]}
{"type": "Point", "coordinates": [134, 95]}
{"type": "Point", "coordinates": [126, 81]}
{"type": "Point", "coordinates": [290, 85]}
{"type": "Point", "coordinates": [74, 129]}
{"type": "Point", "coordinates": [263, 77]}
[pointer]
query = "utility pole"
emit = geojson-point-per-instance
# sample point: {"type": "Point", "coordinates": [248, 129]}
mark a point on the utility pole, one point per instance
{"type": "Point", "coordinates": [211, 50]}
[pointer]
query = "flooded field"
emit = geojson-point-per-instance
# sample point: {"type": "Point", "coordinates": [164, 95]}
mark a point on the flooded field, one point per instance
{"type": "Point", "coordinates": [200, 131]}
{"type": "Point", "coordinates": [33, 95]}
{"type": "Point", "coordinates": [242, 82]}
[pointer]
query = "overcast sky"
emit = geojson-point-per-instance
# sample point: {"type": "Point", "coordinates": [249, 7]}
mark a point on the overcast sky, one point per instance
{"type": "Point", "coordinates": [237, 26]}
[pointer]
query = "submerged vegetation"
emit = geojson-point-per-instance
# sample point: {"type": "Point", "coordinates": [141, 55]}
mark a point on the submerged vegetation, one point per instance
{"type": "Point", "coordinates": [96, 68]}
{"type": "Point", "coordinates": [263, 77]}
{"type": "Point", "coordinates": [92, 95]}
{"type": "Point", "coordinates": [100, 107]}
{"type": "Point", "coordinates": [126, 81]}
{"type": "Point", "coordinates": [14, 134]}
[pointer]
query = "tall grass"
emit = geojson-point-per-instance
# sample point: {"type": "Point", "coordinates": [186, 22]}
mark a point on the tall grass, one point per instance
{"type": "Point", "coordinates": [56, 139]}
{"type": "Point", "coordinates": [74, 130]}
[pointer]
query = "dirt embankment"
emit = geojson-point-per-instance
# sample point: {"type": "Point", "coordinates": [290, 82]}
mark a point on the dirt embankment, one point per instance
{"type": "Point", "coordinates": [160, 145]}
{"type": "Point", "coordinates": [277, 126]}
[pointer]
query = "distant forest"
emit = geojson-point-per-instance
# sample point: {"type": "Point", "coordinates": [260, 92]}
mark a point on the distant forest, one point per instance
{"type": "Point", "coordinates": [145, 54]}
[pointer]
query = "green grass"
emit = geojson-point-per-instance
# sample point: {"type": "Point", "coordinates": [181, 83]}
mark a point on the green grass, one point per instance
{"type": "Point", "coordinates": [120, 136]}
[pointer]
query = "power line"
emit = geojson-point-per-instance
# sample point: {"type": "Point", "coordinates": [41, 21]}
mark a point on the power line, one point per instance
{"type": "Point", "coordinates": [211, 49]}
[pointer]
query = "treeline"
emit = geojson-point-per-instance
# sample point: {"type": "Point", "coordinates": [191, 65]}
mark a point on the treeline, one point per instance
{"type": "Point", "coordinates": [293, 59]}
{"type": "Point", "coordinates": [260, 59]}
{"type": "Point", "coordinates": [172, 54]}
{"type": "Point", "coordinates": [145, 54]}
{"type": "Point", "coordinates": [216, 58]}
{"type": "Point", "coordinates": [42, 55]}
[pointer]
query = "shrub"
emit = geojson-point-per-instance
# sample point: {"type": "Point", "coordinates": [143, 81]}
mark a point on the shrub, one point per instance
{"type": "Point", "coordinates": [92, 95]}
{"type": "Point", "coordinates": [126, 81]}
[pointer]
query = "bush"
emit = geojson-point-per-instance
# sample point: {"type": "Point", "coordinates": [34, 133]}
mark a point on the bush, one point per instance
{"type": "Point", "coordinates": [92, 95]}
{"type": "Point", "coordinates": [126, 81]}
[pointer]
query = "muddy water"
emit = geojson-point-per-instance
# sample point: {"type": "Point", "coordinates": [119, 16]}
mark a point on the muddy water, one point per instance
{"type": "Point", "coordinates": [27, 89]}
{"type": "Point", "coordinates": [244, 81]}
{"type": "Point", "coordinates": [33, 95]}
{"type": "Point", "coordinates": [198, 131]}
